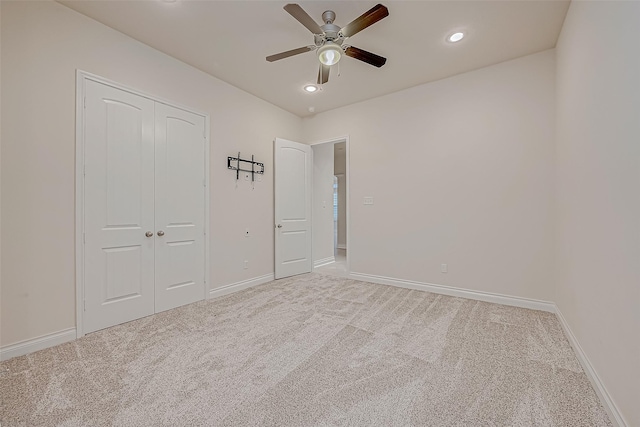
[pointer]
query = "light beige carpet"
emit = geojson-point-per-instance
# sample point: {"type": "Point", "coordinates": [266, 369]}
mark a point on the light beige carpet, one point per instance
{"type": "Point", "coordinates": [311, 350]}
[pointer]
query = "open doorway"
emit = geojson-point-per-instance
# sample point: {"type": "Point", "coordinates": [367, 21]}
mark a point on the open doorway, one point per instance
{"type": "Point", "coordinates": [330, 207]}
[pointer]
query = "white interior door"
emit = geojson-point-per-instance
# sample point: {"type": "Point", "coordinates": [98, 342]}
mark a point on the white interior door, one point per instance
{"type": "Point", "coordinates": [144, 206]}
{"type": "Point", "coordinates": [180, 207]}
{"type": "Point", "coordinates": [292, 188]}
{"type": "Point", "coordinates": [118, 206]}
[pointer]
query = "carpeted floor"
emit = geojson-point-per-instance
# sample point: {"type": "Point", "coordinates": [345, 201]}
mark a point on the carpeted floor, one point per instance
{"type": "Point", "coordinates": [311, 350]}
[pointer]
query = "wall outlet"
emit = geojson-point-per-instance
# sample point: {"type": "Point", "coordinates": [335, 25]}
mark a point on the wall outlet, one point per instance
{"type": "Point", "coordinates": [246, 264]}
{"type": "Point", "coordinates": [368, 200]}
{"type": "Point", "coordinates": [443, 268]}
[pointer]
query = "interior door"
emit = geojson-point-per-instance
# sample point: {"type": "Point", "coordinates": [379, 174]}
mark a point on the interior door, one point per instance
{"type": "Point", "coordinates": [118, 206]}
{"type": "Point", "coordinates": [180, 207]}
{"type": "Point", "coordinates": [292, 188]}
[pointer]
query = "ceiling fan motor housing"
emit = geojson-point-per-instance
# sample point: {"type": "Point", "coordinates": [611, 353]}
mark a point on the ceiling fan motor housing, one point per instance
{"type": "Point", "coordinates": [330, 29]}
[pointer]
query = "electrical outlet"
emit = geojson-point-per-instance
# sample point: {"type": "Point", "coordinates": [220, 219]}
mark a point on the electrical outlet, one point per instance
{"type": "Point", "coordinates": [443, 268]}
{"type": "Point", "coordinates": [246, 264]}
{"type": "Point", "coordinates": [368, 200]}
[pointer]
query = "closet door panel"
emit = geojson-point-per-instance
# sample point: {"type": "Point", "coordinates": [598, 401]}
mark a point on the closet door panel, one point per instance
{"type": "Point", "coordinates": [118, 206]}
{"type": "Point", "coordinates": [180, 207]}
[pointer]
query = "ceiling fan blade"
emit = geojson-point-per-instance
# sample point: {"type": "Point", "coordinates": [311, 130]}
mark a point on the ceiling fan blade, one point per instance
{"type": "Point", "coordinates": [323, 74]}
{"type": "Point", "coordinates": [303, 17]}
{"type": "Point", "coordinates": [368, 18]}
{"type": "Point", "coordinates": [289, 53]}
{"type": "Point", "coordinates": [363, 55]}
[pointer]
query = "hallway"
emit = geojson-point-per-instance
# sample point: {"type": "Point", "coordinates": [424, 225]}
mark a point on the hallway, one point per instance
{"type": "Point", "coordinates": [337, 268]}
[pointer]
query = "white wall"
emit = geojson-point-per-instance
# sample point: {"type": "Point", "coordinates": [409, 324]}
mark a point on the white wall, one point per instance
{"type": "Point", "coordinates": [461, 171]}
{"type": "Point", "coordinates": [598, 191]}
{"type": "Point", "coordinates": [43, 43]}
{"type": "Point", "coordinates": [322, 201]}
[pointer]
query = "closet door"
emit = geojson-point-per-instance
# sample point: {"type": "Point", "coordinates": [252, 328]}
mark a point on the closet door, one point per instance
{"type": "Point", "coordinates": [118, 206]}
{"type": "Point", "coordinates": [179, 207]}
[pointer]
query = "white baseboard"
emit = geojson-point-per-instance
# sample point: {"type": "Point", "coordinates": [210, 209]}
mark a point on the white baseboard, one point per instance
{"type": "Point", "coordinates": [342, 247]}
{"type": "Point", "coordinates": [238, 286]}
{"type": "Point", "coordinates": [612, 410]}
{"type": "Point", "coordinates": [324, 261]}
{"type": "Point", "coordinates": [40, 343]}
{"type": "Point", "coordinates": [458, 292]}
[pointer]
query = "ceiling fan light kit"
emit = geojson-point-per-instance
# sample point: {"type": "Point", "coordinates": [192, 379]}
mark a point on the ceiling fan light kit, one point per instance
{"type": "Point", "coordinates": [329, 38]}
{"type": "Point", "coordinates": [330, 53]}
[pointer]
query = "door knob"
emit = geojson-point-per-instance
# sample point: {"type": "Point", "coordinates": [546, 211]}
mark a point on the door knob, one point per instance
{"type": "Point", "coordinates": [149, 233]}
{"type": "Point", "coordinates": [160, 233]}
{"type": "Point", "coordinates": [279, 225]}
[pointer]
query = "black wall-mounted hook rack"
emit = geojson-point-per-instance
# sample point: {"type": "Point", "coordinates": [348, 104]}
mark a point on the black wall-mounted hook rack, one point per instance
{"type": "Point", "coordinates": [238, 169]}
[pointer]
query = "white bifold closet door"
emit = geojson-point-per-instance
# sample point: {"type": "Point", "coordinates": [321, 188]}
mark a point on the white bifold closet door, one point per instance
{"type": "Point", "coordinates": [144, 206]}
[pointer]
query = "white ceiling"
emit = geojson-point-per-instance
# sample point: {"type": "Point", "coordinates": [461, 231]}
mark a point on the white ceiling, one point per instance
{"type": "Point", "coordinates": [230, 40]}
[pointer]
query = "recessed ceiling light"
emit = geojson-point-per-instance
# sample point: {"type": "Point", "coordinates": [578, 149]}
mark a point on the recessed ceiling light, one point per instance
{"type": "Point", "coordinates": [311, 88]}
{"type": "Point", "coordinates": [455, 37]}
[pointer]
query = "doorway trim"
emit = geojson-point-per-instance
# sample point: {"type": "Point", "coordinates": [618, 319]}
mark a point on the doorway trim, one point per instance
{"type": "Point", "coordinates": [347, 175]}
{"type": "Point", "coordinates": [81, 78]}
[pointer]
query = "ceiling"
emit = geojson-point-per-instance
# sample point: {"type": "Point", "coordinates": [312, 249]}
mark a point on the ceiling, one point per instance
{"type": "Point", "coordinates": [230, 40]}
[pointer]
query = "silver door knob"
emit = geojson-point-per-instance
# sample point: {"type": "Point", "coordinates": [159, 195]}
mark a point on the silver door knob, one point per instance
{"type": "Point", "coordinates": [279, 225]}
{"type": "Point", "coordinates": [160, 233]}
{"type": "Point", "coordinates": [149, 233]}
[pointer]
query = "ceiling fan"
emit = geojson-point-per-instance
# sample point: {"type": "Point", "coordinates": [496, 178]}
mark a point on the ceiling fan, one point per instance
{"type": "Point", "coordinates": [329, 38]}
